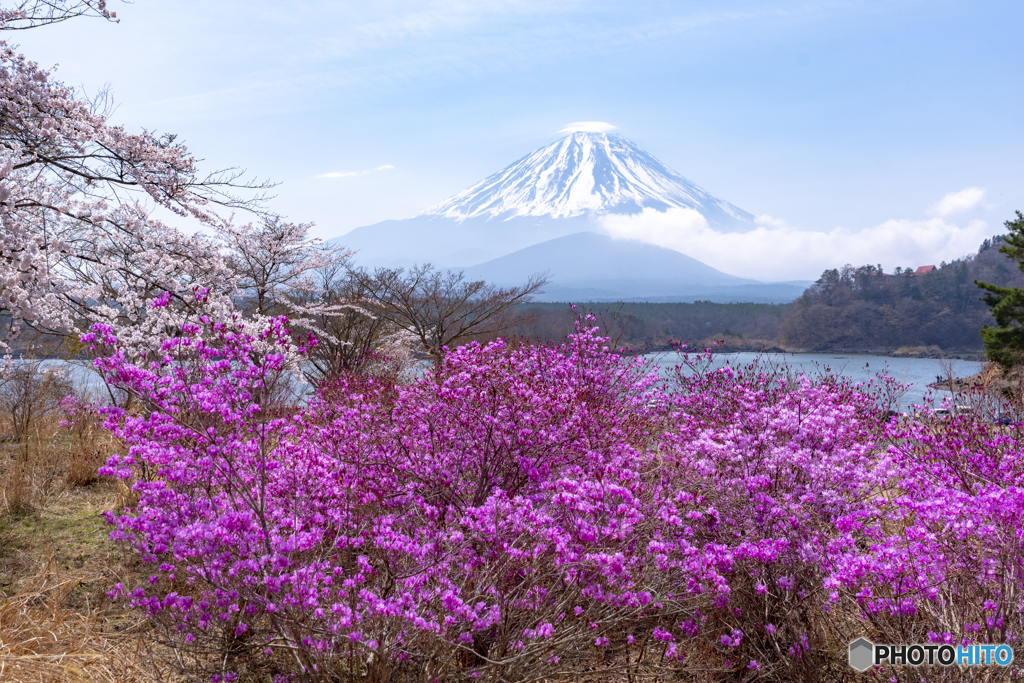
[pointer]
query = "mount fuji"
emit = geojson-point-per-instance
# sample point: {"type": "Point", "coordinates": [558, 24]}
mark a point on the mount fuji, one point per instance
{"type": "Point", "coordinates": [586, 174]}
{"type": "Point", "coordinates": [543, 213]}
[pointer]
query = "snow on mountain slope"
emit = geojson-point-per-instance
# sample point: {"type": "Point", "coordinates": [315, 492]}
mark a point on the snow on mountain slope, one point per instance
{"type": "Point", "coordinates": [587, 174]}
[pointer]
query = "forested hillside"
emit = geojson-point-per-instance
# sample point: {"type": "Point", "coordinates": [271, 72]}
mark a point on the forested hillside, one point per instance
{"type": "Point", "coordinates": [862, 309]}
{"type": "Point", "coordinates": [848, 309]}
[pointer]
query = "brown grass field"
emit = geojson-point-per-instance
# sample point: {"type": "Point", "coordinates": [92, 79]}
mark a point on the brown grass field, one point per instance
{"type": "Point", "coordinates": [56, 566]}
{"type": "Point", "coordinates": [56, 560]}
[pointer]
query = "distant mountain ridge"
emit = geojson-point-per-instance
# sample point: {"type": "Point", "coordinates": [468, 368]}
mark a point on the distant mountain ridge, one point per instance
{"type": "Point", "coordinates": [593, 267]}
{"type": "Point", "coordinates": [544, 213]}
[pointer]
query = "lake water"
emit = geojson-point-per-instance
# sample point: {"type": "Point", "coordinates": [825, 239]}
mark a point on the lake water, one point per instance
{"type": "Point", "coordinates": [79, 372]}
{"type": "Point", "coordinates": [916, 372]}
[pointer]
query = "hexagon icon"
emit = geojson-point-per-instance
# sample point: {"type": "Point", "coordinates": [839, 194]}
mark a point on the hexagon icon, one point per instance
{"type": "Point", "coordinates": [862, 654]}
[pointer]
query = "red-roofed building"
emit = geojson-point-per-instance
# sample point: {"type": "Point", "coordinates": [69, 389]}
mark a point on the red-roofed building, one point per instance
{"type": "Point", "coordinates": [924, 269]}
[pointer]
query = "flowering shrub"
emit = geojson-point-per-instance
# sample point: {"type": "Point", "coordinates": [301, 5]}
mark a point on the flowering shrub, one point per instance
{"type": "Point", "coordinates": [525, 512]}
{"type": "Point", "coordinates": [762, 474]}
{"type": "Point", "coordinates": [943, 560]}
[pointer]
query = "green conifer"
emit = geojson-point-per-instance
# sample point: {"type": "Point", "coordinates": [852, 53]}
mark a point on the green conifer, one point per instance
{"type": "Point", "coordinates": [1004, 344]}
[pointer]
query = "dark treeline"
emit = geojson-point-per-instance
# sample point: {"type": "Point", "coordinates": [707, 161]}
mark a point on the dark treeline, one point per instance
{"type": "Point", "coordinates": [651, 326]}
{"type": "Point", "coordinates": [848, 309]}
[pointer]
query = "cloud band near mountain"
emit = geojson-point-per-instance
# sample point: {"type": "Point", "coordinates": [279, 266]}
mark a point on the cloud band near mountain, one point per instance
{"type": "Point", "coordinates": [776, 251]}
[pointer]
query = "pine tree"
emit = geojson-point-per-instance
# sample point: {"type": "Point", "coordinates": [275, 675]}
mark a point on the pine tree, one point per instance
{"type": "Point", "coordinates": [1004, 344]}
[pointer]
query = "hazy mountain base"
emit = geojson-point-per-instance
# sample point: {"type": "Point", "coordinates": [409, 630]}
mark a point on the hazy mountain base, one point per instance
{"type": "Point", "coordinates": [451, 243]}
{"type": "Point", "coordinates": [770, 293]}
{"type": "Point", "coordinates": [588, 266]}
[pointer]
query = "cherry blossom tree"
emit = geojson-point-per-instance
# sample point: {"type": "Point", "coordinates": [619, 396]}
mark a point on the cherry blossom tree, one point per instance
{"type": "Point", "coordinates": [33, 13]}
{"type": "Point", "coordinates": [77, 194]}
{"type": "Point", "coordinates": [275, 262]}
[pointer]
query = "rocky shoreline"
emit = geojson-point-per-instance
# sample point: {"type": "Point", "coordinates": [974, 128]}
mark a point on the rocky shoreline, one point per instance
{"type": "Point", "coordinates": [991, 380]}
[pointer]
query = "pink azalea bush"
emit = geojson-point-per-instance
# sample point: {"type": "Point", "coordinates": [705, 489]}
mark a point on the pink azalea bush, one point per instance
{"type": "Point", "coordinates": [944, 558]}
{"type": "Point", "coordinates": [528, 512]}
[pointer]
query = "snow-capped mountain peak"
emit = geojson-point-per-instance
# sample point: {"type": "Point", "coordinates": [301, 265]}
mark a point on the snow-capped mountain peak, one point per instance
{"type": "Point", "coordinates": [586, 173]}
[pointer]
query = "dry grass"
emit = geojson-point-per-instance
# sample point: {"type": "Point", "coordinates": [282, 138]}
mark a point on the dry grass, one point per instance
{"type": "Point", "coordinates": [34, 473]}
{"type": "Point", "coordinates": [43, 639]}
{"type": "Point", "coordinates": [45, 459]}
{"type": "Point", "coordinates": [56, 560]}
{"type": "Point", "coordinates": [56, 622]}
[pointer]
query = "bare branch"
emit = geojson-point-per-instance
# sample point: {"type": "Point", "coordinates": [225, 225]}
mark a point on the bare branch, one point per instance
{"type": "Point", "coordinates": [442, 308]}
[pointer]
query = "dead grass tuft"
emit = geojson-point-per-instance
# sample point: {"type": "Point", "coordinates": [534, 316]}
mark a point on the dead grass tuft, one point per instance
{"type": "Point", "coordinates": [36, 471]}
{"type": "Point", "coordinates": [42, 639]}
{"type": "Point", "coordinates": [56, 620]}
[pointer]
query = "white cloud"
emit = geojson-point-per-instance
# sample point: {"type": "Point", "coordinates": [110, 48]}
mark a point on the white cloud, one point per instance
{"type": "Point", "coordinates": [588, 127]}
{"type": "Point", "coordinates": [959, 202]}
{"type": "Point", "coordinates": [770, 221]}
{"type": "Point", "coordinates": [776, 251]}
{"type": "Point", "coordinates": [349, 174]}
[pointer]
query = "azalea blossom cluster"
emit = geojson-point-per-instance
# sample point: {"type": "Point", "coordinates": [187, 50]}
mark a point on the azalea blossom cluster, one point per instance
{"type": "Point", "coordinates": [525, 512]}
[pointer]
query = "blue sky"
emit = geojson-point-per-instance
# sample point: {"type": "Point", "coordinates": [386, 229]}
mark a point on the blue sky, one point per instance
{"type": "Point", "coordinates": [821, 115]}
